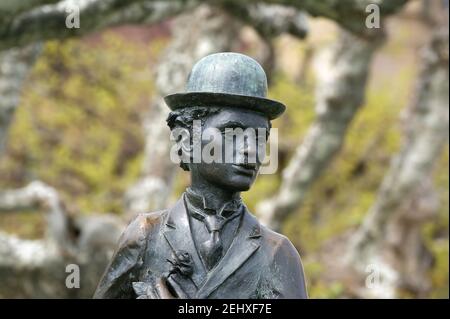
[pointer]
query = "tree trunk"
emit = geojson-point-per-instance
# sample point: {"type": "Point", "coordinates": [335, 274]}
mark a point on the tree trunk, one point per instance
{"type": "Point", "coordinates": [14, 67]}
{"type": "Point", "coordinates": [390, 236]}
{"type": "Point", "coordinates": [341, 75]}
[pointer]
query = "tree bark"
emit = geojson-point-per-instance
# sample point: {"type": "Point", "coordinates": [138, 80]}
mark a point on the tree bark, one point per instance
{"type": "Point", "coordinates": [36, 20]}
{"type": "Point", "coordinates": [391, 233]}
{"type": "Point", "coordinates": [342, 72]}
{"type": "Point", "coordinates": [49, 21]}
{"type": "Point", "coordinates": [270, 20]}
{"type": "Point", "coordinates": [349, 14]}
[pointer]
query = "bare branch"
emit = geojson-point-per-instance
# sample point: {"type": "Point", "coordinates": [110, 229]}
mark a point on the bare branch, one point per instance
{"type": "Point", "coordinates": [40, 264]}
{"type": "Point", "coordinates": [270, 20]}
{"type": "Point", "coordinates": [350, 14]}
{"type": "Point", "coordinates": [13, 7]}
{"type": "Point", "coordinates": [37, 268]}
{"type": "Point", "coordinates": [35, 195]}
{"type": "Point", "coordinates": [29, 197]}
{"type": "Point", "coordinates": [49, 21]}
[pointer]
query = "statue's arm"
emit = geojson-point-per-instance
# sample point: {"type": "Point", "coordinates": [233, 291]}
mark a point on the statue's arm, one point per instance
{"type": "Point", "coordinates": [123, 268]}
{"type": "Point", "coordinates": [285, 277]}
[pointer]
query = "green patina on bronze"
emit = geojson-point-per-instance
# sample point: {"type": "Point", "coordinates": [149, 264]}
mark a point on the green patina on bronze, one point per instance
{"type": "Point", "coordinates": [227, 79]}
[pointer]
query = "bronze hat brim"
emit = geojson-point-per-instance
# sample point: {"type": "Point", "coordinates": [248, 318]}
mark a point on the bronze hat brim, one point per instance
{"type": "Point", "coordinates": [272, 109]}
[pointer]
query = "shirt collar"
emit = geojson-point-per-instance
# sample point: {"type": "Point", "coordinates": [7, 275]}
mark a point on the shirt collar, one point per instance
{"type": "Point", "coordinates": [199, 202]}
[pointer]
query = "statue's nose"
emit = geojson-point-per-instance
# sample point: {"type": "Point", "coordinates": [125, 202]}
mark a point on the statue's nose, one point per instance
{"type": "Point", "coordinates": [248, 149]}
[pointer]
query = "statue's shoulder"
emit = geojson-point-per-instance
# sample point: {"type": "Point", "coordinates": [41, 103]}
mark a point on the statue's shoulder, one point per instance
{"type": "Point", "coordinates": [142, 226]}
{"type": "Point", "coordinates": [285, 274]}
{"type": "Point", "coordinates": [279, 244]}
{"type": "Point", "coordinates": [271, 239]}
{"type": "Point", "coordinates": [148, 221]}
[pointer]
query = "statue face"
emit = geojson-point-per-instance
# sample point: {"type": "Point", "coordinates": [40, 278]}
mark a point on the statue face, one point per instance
{"type": "Point", "coordinates": [239, 172]}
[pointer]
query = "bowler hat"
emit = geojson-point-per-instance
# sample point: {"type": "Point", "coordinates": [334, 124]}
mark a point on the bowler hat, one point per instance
{"type": "Point", "coordinates": [229, 80]}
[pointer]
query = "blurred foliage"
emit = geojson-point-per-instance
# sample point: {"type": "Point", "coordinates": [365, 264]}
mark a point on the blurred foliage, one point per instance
{"type": "Point", "coordinates": [79, 129]}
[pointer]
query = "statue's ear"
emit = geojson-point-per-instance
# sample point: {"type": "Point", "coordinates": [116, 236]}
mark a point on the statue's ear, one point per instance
{"type": "Point", "coordinates": [184, 143]}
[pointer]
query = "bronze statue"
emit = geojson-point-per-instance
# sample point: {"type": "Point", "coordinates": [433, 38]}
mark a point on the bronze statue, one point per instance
{"type": "Point", "coordinates": [208, 245]}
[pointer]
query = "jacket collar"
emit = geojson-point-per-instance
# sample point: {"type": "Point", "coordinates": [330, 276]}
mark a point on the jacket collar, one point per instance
{"type": "Point", "coordinates": [201, 203]}
{"type": "Point", "coordinates": [177, 231]}
{"type": "Point", "coordinates": [178, 234]}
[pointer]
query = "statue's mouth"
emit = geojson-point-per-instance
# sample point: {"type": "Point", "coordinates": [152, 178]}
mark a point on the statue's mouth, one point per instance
{"type": "Point", "coordinates": [246, 168]}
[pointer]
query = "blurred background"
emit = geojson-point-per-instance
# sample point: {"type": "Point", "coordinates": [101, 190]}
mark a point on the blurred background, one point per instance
{"type": "Point", "coordinates": [362, 185]}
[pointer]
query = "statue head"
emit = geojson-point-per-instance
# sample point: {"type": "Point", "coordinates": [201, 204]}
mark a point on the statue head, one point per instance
{"type": "Point", "coordinates": [223, 120]}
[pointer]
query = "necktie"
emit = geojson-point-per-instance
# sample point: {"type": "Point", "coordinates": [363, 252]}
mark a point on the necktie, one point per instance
{"type": "Point", "coordinates": [214, 220]}
{"type": "Point", "coordinates": [212, 249]}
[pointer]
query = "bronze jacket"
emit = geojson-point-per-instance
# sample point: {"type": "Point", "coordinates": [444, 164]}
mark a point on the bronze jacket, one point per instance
{"type": "Point", "coordinates": [259, 263]}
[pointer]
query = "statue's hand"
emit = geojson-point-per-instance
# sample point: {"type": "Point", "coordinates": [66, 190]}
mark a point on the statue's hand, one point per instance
{"type": "Point", "coordinates": [157, 289]}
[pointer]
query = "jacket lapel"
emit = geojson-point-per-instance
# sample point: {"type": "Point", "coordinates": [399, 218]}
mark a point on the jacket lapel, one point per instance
{"type": "Point", "coordinates": [177, 232]}
{"type": "Point", "coordinates": [246, 242]}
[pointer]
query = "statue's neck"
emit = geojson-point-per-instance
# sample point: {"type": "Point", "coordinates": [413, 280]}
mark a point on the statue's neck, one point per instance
{"type": "Point", "coordinates": [214, 195]}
